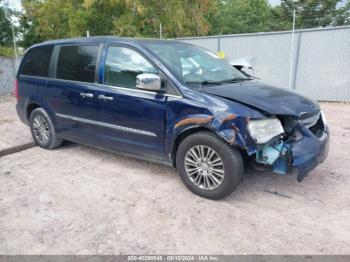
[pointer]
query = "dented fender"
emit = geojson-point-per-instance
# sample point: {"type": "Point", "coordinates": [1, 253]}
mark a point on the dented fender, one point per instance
{"type": "Point", "coordinates": [233, 129]}
{"type": "Point", "coordinates": [230, 127]}
{"type": "Point", "coordinates": [225, 118]}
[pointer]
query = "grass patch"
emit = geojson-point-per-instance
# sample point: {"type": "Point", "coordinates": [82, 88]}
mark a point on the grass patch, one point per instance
{"type": "Point", "coordinates": [7, 51]}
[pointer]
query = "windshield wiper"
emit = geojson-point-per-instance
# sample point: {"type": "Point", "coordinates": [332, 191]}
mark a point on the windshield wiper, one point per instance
{"type": "Point", "coordinates": [234, 80]}
{"type": "Point", "coordinates": [206, 82]}
{"type": "Point", "coordinates": [209, 82]}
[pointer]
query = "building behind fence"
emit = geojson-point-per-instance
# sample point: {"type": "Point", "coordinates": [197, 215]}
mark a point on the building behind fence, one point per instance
{"type": "Point", "coordinates": [315, 62]}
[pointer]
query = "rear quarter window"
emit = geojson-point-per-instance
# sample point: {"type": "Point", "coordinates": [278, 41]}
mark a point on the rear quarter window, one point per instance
{"type": "Point", "coordinates": [36, 62]}
{"type": "Point", "coordinates": [77, 63]}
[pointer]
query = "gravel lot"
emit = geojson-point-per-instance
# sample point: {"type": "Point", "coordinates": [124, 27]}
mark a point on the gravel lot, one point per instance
{"type": "Point", "coordinates": [79, 200]}
{"type": "Point", "coordinates": [12, 132]}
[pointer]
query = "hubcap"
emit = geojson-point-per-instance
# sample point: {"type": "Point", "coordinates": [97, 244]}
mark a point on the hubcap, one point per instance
{"type": "Point", "coordinates": [204, 167]}
{"type": "Point", "coordinates": [41, 129]}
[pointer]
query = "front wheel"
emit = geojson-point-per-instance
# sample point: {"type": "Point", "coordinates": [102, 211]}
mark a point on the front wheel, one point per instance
{"type": "Point", "coordinates": [208, 166]}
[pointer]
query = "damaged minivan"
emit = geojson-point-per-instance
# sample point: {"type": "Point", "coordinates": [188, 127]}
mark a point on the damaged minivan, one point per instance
{"type": "Point", "coordinates": [169, 102]}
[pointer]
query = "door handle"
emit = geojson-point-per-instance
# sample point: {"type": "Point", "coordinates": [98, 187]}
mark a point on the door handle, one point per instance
{"type": "Point", "coordinates": [103, 97]}
{"type": "Point", "coordinates": [86, 95]}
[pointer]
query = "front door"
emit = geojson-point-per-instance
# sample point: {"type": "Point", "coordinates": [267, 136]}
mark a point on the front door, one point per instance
{"type": "Point", "coordinates": [133, 120]}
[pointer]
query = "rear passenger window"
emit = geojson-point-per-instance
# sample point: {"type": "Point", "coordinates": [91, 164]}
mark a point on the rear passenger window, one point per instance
{"type": "Point", "coordinates": [37, 61]}
{"type": "Point", "coordinates": [123, 65]}
{"type": "Point", "coordinates": [77, 63]}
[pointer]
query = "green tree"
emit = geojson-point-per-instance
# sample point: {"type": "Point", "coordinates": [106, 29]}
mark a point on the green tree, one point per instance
{"type": "Point", "coordinates": [342, 16]}
{"type": "Point", "coordinates": [178, 18]}
{"type": "Point", "coordinates": [241, 16]}
{"type": "Point", "coordinates": [28, 25]}
{"type": "Point", "coordinates": [51, 19]}
{"type": "Point", "coordinates": [311, 13]}
{"type": "Point", "coordinates": [5, 25]}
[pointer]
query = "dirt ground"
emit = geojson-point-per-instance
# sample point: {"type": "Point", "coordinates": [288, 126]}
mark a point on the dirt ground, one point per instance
{"type": "Point", "coordinates": [12, 132]}
{"type": "Point", "coordinates": [79, 200]}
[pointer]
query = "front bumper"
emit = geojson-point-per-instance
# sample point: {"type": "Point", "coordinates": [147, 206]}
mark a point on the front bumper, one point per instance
{"type": "Point", "coordinates": [310, 151]}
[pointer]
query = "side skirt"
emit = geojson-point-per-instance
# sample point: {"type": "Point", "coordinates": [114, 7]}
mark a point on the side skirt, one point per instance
{"type": "Point", "coordinates": [123, 153]}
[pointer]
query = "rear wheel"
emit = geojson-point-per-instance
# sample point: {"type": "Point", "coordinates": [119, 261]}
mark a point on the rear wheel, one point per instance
{"type": "Point", "coordinates": [42, 129]}
{"type": "Point", "coordinates": [208, 166]}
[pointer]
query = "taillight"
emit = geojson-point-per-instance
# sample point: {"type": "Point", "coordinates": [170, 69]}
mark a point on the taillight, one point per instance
{"type": "Point", "coordinates": [15, 91]}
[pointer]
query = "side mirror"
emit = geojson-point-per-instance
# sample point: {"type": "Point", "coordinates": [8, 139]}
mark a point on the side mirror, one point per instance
{"type": "Point", "coordinates": [150, 82]}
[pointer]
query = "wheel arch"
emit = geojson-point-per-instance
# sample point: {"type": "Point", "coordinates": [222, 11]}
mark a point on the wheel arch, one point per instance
{"type": "Point", "coordinates": [192, 130]}
{"type": "Point", "coordinates": [30, 108]}
{"type": "Point", "coordinates": [181, 136]}
{"type": "Point", "coordinates": [35, 102]}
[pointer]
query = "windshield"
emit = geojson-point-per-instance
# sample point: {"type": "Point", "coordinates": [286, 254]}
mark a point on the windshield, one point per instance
{"type": "Point", "coordinates": [195, 65]}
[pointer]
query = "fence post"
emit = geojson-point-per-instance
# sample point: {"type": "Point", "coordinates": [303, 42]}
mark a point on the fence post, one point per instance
{"type": "Point", "coordinates": [296, 62]}
{"type": "Point", "coordinates": [218, 44]}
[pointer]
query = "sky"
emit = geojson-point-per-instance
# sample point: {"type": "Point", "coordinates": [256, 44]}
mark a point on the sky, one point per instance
{"type": "Point", "coordinates": [274, 2]}
{"type": "Point", "coordinates": [15, 4]}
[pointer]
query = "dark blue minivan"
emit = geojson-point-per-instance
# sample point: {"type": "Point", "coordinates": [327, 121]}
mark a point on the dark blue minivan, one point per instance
{"type": "Point", "coordinates": [170, 102]}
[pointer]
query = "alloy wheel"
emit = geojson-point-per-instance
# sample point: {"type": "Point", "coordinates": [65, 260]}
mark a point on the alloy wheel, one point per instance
{"type": "Point", "coordinates": [204, 167]}
{"type": "Point", "coordinates": [41, 129]}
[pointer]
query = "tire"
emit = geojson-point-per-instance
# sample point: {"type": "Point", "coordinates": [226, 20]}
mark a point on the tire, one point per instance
{"type": "Point", "coordinates": [213, 186]}
{"type": "Point", "coordinates": [43, 130]}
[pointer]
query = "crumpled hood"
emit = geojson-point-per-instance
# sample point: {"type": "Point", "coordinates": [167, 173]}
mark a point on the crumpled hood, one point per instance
{"type": "Point", "coordinates": [270, 99]}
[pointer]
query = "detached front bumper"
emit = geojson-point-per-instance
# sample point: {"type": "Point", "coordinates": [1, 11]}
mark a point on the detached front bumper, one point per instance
{"type": "Point", "coordinates": [309, 151]}
{"type": "Point", "coordinates": [306, 148]}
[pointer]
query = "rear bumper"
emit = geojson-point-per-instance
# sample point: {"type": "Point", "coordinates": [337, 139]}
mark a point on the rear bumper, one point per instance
{"type": "Point", "coordinates": [310, 151]}
{"type": "Point", "coordinates": [21, 111]}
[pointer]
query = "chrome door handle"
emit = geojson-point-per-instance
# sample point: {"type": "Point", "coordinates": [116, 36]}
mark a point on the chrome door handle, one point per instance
{"type": "Point", "coordinates": [86, 95]}
{"type": "Point", "coordinates": [103, 97]}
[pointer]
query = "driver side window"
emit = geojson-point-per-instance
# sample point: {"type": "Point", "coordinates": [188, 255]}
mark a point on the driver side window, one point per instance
{"type": "Point", "coordinates": [123, 65]}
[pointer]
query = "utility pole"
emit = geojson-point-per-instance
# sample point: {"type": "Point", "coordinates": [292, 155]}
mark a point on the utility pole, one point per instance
{"type": "Point", "coordinates": [197, 17]}
{"type": "Point", "coordinates": [14, 44]}
{"type": "Point", "coordinates": [292, 54]}
{"type": "Point", "coordinates": [160, 31]}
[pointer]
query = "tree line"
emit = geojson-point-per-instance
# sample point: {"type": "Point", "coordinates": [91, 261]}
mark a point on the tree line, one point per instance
{"type": "Point", "coordinates": [40, 20]}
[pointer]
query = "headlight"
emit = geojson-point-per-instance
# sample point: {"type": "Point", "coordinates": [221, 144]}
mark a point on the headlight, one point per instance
{"type": "Point", "coordinates": [263, 130]}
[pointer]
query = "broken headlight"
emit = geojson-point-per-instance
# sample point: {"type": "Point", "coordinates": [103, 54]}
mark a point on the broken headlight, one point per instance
{"type": "Point", "coordinates": [263, 130]}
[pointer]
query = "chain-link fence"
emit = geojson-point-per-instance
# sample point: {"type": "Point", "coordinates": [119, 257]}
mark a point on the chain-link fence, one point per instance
{"type": "Point", "coordinates": [8, 69]}
{"type": "Point", "coordinates": [314, 62]}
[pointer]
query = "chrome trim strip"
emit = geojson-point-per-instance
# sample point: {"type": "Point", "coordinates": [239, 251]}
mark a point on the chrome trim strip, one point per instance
{"type": "Point", "coordinates": [130, 89]}
{"type": "Point", "coordinates": [174, 96]}
{"type": "Point", "coordinates": [39, 77]}
{"type": "Point", "coordinates": [120, 128]}
{"type": "Point", "coordinates": [138, 90]}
